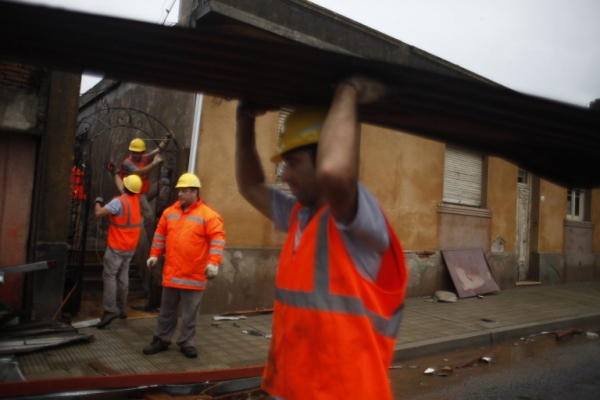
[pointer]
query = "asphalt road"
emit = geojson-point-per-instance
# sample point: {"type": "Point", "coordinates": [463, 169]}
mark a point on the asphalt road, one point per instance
{"type": "Point", "coordinates": [533, 368]}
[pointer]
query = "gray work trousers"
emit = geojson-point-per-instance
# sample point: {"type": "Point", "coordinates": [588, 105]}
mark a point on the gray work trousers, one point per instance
{"type": "Point", "coordinates": [147, 216]}
{"type": "Point", "coordinates": [115, 276]}
{"type": "Point", "coordinates": [167, 318]}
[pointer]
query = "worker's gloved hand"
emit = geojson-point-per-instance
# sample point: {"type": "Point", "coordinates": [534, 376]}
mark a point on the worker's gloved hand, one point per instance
{"type": "Point", "coordinates": [110, 167]}
{"type": "Point", "coordinates": [165, 142]}
{"type": "Point", "coordinates": [211, 271]}
{"type": "Point", "coordinates": [252, 110]}
{"type": "Point", "coordinates": [151, 263]}
{"type": "Point", "coordinates": [158, 159]}
{"type": "Point", "coordinates": [368, 89]}
{"type": "Point", "coordinates": [99, 200]}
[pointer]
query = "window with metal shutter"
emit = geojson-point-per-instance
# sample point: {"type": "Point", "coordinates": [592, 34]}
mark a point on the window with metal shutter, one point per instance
{"type": "Point", "coordinates": [462, 176]}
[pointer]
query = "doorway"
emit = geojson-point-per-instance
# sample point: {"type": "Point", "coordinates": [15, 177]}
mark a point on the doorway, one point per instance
{"type": "Point", "coordinates": [523, 218]}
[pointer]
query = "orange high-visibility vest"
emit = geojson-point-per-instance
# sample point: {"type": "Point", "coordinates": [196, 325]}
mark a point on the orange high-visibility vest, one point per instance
{"type": "Point", "coordinates": [333, 330]}
{"type": "Point", "coordinates": [77, 188]}
{"type": "Point", "coordinates": [143, 162]}
{"type": "Point", "coordinates": [124, 231]}
{"type": "Point", "coordinates": [190, 240]}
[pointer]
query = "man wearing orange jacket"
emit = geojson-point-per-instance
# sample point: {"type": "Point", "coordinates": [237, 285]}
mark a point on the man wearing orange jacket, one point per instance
{"type": "Point", "coordinates": [191, 235]}
{"type": "Point", "coordinates": [125, 225]}
{"type": "Point", "coordinates": [341, 277]}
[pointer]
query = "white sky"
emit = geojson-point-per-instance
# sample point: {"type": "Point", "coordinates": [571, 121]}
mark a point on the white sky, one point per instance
{"type": "Point", "coordinates": [548, 48]}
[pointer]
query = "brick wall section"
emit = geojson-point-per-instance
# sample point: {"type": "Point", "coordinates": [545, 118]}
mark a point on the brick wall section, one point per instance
{"type": "Point", "coordinates": [20, 75]}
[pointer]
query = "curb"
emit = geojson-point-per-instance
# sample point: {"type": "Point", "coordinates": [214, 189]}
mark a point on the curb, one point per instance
{"type": "Point", "coordinates": [490, 336]}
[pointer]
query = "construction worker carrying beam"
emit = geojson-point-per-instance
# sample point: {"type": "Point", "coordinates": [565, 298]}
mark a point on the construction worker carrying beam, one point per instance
{"type": "Point", "coordinates": [191, 235]}
{"type": "Point", "coordinates": [125, 225]}
{"type": "Point", "coordinates": [341, 277]}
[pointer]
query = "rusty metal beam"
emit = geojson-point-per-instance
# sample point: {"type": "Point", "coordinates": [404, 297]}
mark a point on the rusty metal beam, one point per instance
{"type": "Point", "coordinates": [62, 385]}
{"type": "Point", "coordinates": [554, 140]}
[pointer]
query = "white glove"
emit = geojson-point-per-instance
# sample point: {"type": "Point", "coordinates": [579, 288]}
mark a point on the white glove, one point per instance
{"type": "Point", "coordinates": [369, 90]}
{"type": "Point", "coordinates": [158, 159]}
{"type": "Point", "coordinates": [211, 271]}
{"type": "Point", "coordinates": [151, 263]}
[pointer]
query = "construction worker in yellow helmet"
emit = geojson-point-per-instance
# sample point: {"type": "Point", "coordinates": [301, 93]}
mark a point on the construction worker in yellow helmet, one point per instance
{"type": "Point", "coordinates": [341, 277]}
{"type": "Point", "coordinates": [141, 162]}
{"type": "Point", "coordinates": [123, 235]}
{"type": "Point", "coordinates": [191, 235]}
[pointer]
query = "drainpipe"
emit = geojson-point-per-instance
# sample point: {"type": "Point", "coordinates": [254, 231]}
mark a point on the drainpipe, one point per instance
{"type": "Point", "coordinates": [195, 133]}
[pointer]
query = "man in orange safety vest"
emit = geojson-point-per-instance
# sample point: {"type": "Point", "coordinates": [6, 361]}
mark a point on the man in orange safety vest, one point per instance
{"type": "Point", "coordinates": [125, 225]}
{"type": "Point", "coordinates": [341, 277]}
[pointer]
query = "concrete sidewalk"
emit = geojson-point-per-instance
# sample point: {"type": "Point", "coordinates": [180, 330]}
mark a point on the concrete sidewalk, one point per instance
{"type": "Point", "coordinates": [427, 327]}
{"type": "Point", "coordinates": [432, 327]}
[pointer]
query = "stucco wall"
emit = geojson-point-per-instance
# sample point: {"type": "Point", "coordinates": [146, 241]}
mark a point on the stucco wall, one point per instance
{"type": "Point", "coordinates": [245, 227]}
{"type": "Point", "coordinates": [579, 258]}
{"type": "Point", "coordinates": [552, 210]}
{"type": "Point", "coordinates": [23, 97]}
{"type": "Point", "coordinates": [405, 173]}
{"type": "Point", "coordinates": [246, 281]}
{"type": "Point", "coordinates": [502, 201]}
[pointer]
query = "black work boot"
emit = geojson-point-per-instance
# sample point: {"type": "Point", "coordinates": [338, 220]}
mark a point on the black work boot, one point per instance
{"type": "Point", "coordinates": [156, 346]}
{"type": "Point", "coordinates": [189, 352]}
{"type": "Point", "coordinates": [107, 318]}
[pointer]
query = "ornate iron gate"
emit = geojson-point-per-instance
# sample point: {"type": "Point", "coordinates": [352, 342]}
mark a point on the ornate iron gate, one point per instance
{"type": "Point", "coordinates": [104, 137]}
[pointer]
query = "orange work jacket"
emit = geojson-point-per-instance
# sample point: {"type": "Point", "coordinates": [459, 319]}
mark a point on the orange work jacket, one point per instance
{"type": "Point", "coordinates": [143, 162]}
{"type": "Point", "coordinates": [333, 330]}
{"type": "Point", "coordinates": [124, 231]}
{"type": "Point", "coordinates": [77, 189]}
{"type": "Point", "coordinates": [190, 241]}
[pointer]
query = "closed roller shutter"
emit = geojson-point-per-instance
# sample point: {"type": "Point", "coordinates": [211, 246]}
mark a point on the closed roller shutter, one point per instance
{"type": "Point", "coordinates": [462, 177]}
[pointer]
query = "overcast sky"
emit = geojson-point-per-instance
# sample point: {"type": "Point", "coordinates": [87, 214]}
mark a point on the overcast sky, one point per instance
{"type": "Point", "coordinates": [549, 48]}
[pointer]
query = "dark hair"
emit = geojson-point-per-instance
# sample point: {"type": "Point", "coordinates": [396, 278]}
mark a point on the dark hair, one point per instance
{"type": "Point", "coordinates": [311, 149]}
{"type": "Point", "coordinates": [127, 191]}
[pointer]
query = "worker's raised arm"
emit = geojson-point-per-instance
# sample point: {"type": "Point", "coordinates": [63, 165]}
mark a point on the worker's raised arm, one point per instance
{"type": "Point", "coordinates": [156, 160]}
{"type": "Point", "coordinates": [100, 209]}
{"type": "Point", "coordinates": [249, 173]}
{"type": "Point", "coordinates": [339, 145]}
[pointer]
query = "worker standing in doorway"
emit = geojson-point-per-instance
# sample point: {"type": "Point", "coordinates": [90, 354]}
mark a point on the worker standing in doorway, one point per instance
{"type": "Point", "coordinates": [125, 225]}
{"type": "Point", "coordinates": [191, 235]}
{"type": "Point", "coordinates": [341, 277]}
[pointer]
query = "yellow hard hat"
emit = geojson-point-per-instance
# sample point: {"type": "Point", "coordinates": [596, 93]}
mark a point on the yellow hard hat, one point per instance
{"type": "Point", "coordinates": [137, 145]}
{"type": "Point", "coordinates": [188, 180]}
{"type": "Point", "coordinates": [301, 128]}
{"type": "Point", "coordinates": [133, 183]}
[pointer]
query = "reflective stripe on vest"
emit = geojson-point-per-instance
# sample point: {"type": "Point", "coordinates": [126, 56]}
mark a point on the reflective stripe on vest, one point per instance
{"type": "Point", "coordinates": [180, 281]}
{"type": "Point", "coordinates": [127, 224]}
{"type": "Point", "coordinates": [321, 299]}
